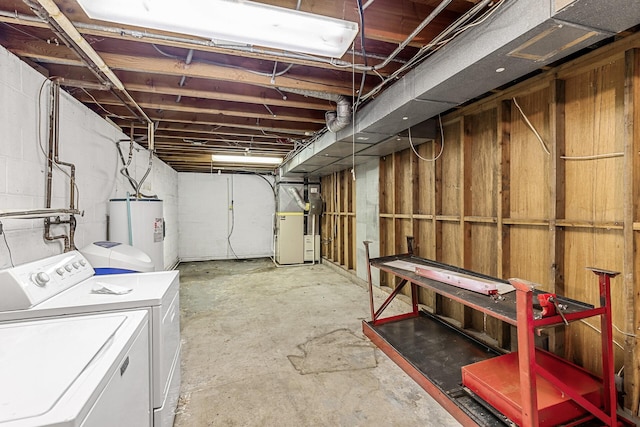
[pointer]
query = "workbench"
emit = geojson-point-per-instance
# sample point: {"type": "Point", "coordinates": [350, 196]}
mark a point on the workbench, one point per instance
{"type": "Point", "coordinates": [530, 387]}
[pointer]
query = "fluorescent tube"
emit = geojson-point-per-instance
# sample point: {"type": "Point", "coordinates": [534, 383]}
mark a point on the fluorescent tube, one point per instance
{"type": "Point", "coordinates": [234, 21]}
{"type": "Point", "coordinates": [246, 159]}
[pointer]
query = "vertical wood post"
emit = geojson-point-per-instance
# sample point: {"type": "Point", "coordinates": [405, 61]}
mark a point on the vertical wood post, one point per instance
{"type": "Point", "coordinates": [466, 182]}
{"type": "Point", "coordinates": [504, 195]}
{"type": "Point", "coordinates": [556, 186]}
{"type": "Point", "coordinates": [631, 194]}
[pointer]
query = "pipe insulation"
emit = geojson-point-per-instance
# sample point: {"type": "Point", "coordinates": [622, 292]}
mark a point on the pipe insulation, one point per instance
{"type": "Point", "coordinates": [341, 118]}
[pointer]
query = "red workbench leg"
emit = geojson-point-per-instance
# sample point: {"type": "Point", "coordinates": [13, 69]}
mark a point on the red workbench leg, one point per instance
{"type": "Point", "coordinates": [526, 352]}
{"type": "Point", "coordinates": [366, 250]}
{"type": "Point", "coordinates": [608, 369]}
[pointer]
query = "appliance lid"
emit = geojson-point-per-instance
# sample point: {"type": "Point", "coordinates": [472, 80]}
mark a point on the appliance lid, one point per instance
{"type": "Point", "coordinates": [40, 360]}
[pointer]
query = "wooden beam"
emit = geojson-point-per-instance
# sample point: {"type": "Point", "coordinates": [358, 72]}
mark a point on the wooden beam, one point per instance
{"type": "Point", "coordinates": [308, 103]}
{"type": "Point", "coordinates": [198, 130]}
{"type": "Point", "coordinates": [503, 154]}
{"type": "Point", "coordinates": [556, 186]}
{"type": "Point", "coordinates": [203, 118]}
{"type": "Point", "coordinates": [185, 42]}
{"type": "Point", "coordinates": [192, 87]}
{"type": "Point", "coordinates": [180, 136]}
{"type": "Point", "coordinates": [251, 110]}
{"type": "Point", "coordinates": [44, 52]}
{"type": "Point", "coordinates": [466, 179]}
{"type": "Point", "coordinates": [631, 292]}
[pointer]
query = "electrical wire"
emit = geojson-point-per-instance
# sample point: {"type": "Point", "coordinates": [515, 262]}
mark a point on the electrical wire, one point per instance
{"type": "Point", "coordinates": [234, 67]}
{"type": "Point", "coordinates": [544, 146]}
{"type": "Point", "coordinates": [13, 27]}
{"type": "Point", "coordinates": [441, 144]}
{"type": "Point", "coordinates": [533, 129]}
{"type": "Point", "coordinates": [233, 222]}
{"type": "Point", "coordinates": [100, 105]}
{"type": "Point", "coordinates": [364, 57]}
{"type": "Point", "coordinates": [438, 42]}
{"type": "Point", "coordinates": [4, 236]}
{"type": "Point", "coordinates": [594, 156]}
{"type": "Point", "coordinates": [599, 331]}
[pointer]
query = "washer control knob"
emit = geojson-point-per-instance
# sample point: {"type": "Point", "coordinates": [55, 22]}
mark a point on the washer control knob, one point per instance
{"type": "Point", "coordinates": [76, 265]}
{"type": "Point", "coordinates": [41, 278]}
{"type": "Point", "coordinates": [68, 267]}
{"type": "Point", "coordinates": [82, 262]}
{"type": "Point", "coordinates": [60, 271]}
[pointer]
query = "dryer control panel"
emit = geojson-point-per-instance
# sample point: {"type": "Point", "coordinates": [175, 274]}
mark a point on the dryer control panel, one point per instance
{"type": "Point", "coordinates": [29, 284]}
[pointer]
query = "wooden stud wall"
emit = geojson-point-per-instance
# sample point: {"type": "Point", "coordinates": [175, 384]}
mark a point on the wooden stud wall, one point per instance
{"type": "Point", "coordinates": [503, 202]}
{"type": "Point", "coordinates": [338, 222]}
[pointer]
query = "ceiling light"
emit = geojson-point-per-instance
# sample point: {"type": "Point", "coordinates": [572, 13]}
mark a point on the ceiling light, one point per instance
{"type": "Point", "coordinates": [405, 118]}
{"type": "Point", "coordinates": [246, 159]}
{"type": "Point", "coordinates": [232, 21]}
{"type": "Point", "coordinates": [499, 70]}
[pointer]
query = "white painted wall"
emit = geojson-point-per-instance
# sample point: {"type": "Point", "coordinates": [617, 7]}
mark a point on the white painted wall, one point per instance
{"type": "Point", "coordinates": [86, 140]}
{"type": "Point", "coordinates": [206, 216]}
{"type": "Point", "coordinates": [368, 217]}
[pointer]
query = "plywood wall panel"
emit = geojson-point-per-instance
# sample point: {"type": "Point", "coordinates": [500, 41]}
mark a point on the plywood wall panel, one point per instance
{"type": "Point", "coordinates": [483, 253]}
{"type": "Point", "coordinates": [451, 245]}
{"type": "Point", "coordinates": [529, 254]}
{"type": "Point", "coordinates": [481, 132]}
{"type": "Point", "coordinates": [451, 173]}
{"type": "Point", "coordinates": [423, 234]}
{"type": "Point", "coordinates": [424, 190]}
{"type": "Point", "coordinates": [529, 162]}
{"type": "Point", "coordinates": [592, 248]}
{"type": "Point", "coordinates": [387, 247]}
{"type": "Point", "coordinates": [405, 186]}
{"type": "Point", "coordinates": [386, 185]}
{"type": "Point", "coordinates": [497, 202]}
{"type": "Point", "coordinates": [594, 187]}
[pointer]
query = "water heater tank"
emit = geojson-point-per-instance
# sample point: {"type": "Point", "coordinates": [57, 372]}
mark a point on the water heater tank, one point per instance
{"type": "Point", "coordinates": [139, 223]}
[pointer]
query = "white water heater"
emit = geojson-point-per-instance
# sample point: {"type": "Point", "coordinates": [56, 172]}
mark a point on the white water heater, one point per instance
{"type": "Point", "coordinates": [139, 223]}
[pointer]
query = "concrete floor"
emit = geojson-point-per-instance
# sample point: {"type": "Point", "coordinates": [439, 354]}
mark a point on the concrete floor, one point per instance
{"type": "Point", "coordinates": [266, 346]}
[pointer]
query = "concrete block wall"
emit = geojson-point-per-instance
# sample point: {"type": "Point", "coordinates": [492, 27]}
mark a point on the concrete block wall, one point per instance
{"type": "Point", "coordinates": [86, 140]}
{"type": "Point", "coordinates": [208, 217]}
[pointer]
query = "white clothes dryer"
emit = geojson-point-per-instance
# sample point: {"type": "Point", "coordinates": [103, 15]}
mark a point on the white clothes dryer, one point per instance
{"type": "Point", "coordinates": [65, 285]}
{"type": "Point", "coordinates": [90, 371]}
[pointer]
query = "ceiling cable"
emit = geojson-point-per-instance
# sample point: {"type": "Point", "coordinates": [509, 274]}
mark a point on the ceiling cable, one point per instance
{"type": "Point", "coordinates": [530, 125]}
{"type": "Point", "coordinates": [413, 148]}
{"type": "Point", "coordinates": [269, 110]}
{"type": "Point", "coordinates": [49, 12]}
{"type": "Point", "coordinates": [184, 78]}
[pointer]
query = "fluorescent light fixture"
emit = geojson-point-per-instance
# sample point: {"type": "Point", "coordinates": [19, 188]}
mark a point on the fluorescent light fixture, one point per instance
{"type": "Point", "coordinates": [234, 21]}
{"type": "Point", "coordinates": [222, 158]}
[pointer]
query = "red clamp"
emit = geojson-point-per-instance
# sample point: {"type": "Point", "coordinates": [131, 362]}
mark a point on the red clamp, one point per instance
{"type": "Point", "coordinates": [547, 305]}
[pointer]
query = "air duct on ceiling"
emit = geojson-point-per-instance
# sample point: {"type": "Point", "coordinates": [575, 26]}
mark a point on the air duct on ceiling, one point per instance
{"type": "Point", "coordinates": [341, 118]}
{"type": "Point", "coordinates": [520, 37]}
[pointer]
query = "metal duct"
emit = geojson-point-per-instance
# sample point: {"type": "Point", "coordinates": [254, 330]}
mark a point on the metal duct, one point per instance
{"type": "Point", "coordinates": [297, 198]}
{"type": "Point", "coordinates": [520, 37]}
{"type": "Point", "coordinates": [341, 118]}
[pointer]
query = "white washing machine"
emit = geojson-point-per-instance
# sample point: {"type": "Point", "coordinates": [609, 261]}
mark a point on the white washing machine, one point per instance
{"type": "Point", "coordinates": [65, 285]}
{"type": "Point", "coordinates": [76, 371]}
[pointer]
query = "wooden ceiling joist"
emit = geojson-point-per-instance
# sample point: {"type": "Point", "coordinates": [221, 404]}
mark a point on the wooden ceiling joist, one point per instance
{"type": "Point", "coordinates": [268, 126]}
{"type": "Point", "coordinates": [43, 52]}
